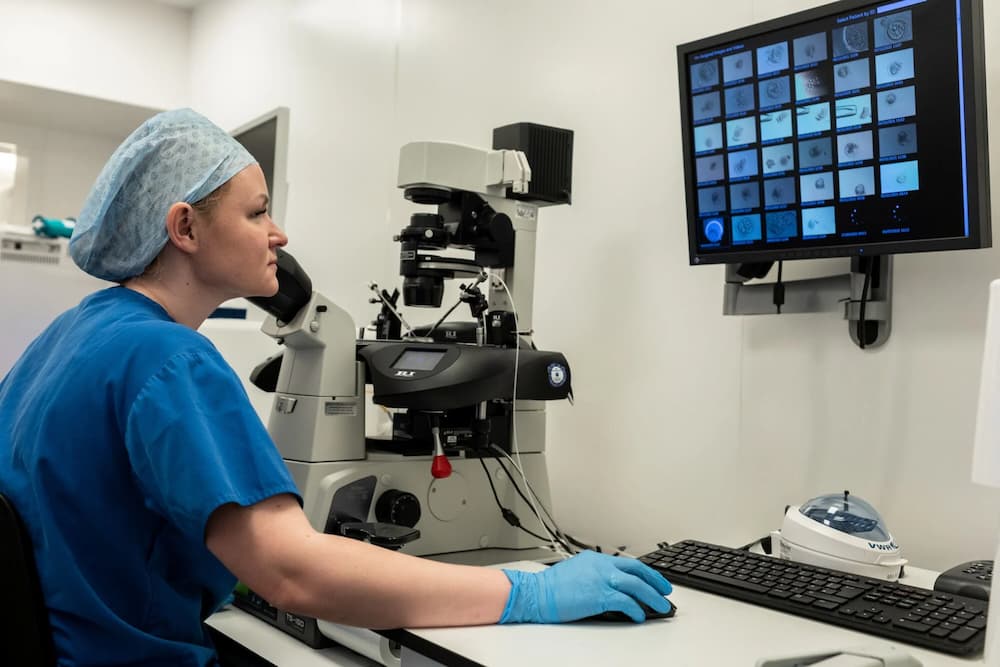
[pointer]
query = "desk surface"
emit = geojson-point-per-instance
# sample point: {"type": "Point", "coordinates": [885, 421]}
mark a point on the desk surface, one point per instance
{"type": "Point", "coordinates": [708, 630]}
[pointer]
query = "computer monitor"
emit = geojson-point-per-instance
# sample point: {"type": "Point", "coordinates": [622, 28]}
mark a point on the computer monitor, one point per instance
{"type": "Point", "coordinates": [855, 128]}
{"type": "Point", "coordinates": [266, 138]}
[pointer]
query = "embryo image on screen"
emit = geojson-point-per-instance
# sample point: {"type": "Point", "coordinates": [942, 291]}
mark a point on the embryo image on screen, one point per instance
{"type": "Point", "coordinates": [776, 125]}
{"type": "Point", "coordinates": [850, 39]}
{"type": "Point", "coordinates": [778, 158]}
{"type": "Point", "coordinates": [744, 196]}
{"type": "Point", "coordinates": [710, 168]}
{"type": "Point", "coordinates": [816, 187]}
{"type": "Point", "coordinates": [813, 118]}
{"type": "Point", "coordinates": [711, 200]}
{"type": "Point", "coordinates": [894, 66]}
{"type": "Point", "coordinates": [781, 225]}
{"type": "Point", "coordinates": [857, 182]}
{"type": "Point", "coordinates": [815, 153]}
{"type": "Point", "coordinates": [743, 164]}
{"type": "Point", "coordinates": [812, 83]}
{"type": "Point", "coordinates": [852, 111]}
{"type": "Point", "coordinates": [810, 49]}
{"type": "Point", "coordinates": [900, 177]}
{"type": "Point", "coordinates": [819, 221]}
{"type": "Point", "coordinates": [893, 29]}
{"type": "Point", "coordinates": [851, 75]}
{"type": "Point", "coordinates": [705, 74]}
{"type": "Point", "coordinates": [779, 191]}
{"type": "Point", "coordinates": [737, 66]}
{"type": "Point", "coordinates": [741, 131]}
{"type": "Point", "coordinates": [713, 229]}
{"type": "Point", "coordinates": [897, 140]}
{"type": "Point", "coordinates": [746, 228]}
{"type": "Point", "coordinates": [740, 99]}
{"type": "Point", "coordinates": [705, 106]}
{"type": "Point", "coordinates": [708, 138]}
{"type": "Point", "coordinates": [775, 92]}
{"type": "Point", "coordinates": [772, 58]}
{"type": "Point", "coordinates": [897, 103]}
{"type": "Point", "coordinates": [855, 147]}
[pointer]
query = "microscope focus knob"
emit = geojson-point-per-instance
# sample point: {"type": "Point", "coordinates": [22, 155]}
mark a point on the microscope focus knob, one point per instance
{"type": "Point", "coordinates": [398, 507]}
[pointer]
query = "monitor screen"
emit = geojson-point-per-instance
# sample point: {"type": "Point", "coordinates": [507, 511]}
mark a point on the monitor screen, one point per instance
{"type": "Point", "coordinates": [856, 128]}
{"type": "Point", "coordinates": [260, 140]}
{"type": "Point", "coordinates": [266, 138]}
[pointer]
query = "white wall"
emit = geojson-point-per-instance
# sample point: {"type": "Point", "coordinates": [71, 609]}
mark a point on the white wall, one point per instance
{"type": "Point", "coordinates": [122, 50]}
{"type": "Point", "coordinates": [57, 168]}
{"type": "Point", "coordinates": [333, 64]}
{"type": "Point", "coordinates": [61, 167]}
{"type": "Point", "coordinates": [687, 424]}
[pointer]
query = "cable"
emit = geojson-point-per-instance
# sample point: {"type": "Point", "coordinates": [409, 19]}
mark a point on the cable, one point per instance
{"type": "Point", "coordinates": [778, 293]}
{"type": "Point", "coordinates": [552, 530]}
{"type": "Point", "coordinates": [764, 542]}
{"type": "Point", "coordinates": [558, 538]}
{"type": "Point", "coordinates": [513, 411]}
{"type": "Point", "coordinates": [864, 298]}
{"type": "Point", "coordinates": [508, 515]}
{"type": "Point", "coordinates": [531, 489]}
{"type": "Point", "coordinates": [562, 535]}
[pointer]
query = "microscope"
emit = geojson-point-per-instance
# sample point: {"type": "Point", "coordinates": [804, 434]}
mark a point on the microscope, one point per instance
{"type": "Point", "coordinates": [467, 399]}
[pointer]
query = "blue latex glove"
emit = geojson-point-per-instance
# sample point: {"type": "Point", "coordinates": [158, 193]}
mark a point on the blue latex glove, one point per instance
{"type": "Point", "coordinates": [584, 585]}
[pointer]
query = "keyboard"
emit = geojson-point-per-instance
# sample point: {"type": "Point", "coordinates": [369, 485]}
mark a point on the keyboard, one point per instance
{"type": "Point", "coordinates": [929, 619]}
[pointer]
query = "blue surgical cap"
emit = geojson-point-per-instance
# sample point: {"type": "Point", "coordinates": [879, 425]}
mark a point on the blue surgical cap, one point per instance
{"type": "Point", "coordinates": [175, 156]}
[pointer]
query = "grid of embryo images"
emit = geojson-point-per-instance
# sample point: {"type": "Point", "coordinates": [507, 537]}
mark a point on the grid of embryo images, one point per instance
{"type": "Point", "coordinates": [784, 131]}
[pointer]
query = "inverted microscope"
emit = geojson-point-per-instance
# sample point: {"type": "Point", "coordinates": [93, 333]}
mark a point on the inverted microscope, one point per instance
{"type": "Point", "coordinates": [467, 398]}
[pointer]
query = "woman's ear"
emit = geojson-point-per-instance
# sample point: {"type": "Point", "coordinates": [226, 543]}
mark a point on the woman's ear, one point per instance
{"type": "Point", "coordinates": [180, 227]}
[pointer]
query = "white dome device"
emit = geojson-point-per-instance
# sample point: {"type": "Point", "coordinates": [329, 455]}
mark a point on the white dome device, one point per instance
{"type": "Point", "coordinates": [841, 532]}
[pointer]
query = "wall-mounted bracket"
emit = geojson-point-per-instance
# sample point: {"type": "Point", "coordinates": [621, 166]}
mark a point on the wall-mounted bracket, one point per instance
{"type": "Point", "coordinates": [840, 293]}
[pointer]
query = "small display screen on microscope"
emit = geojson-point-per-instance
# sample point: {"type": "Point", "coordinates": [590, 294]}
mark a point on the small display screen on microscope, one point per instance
{"type": "Point", "coordinates": [418, 360]}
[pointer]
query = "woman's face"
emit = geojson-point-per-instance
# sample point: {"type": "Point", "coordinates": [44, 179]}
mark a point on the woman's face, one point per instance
{"type": "Point", "coordinates": [239, 241]}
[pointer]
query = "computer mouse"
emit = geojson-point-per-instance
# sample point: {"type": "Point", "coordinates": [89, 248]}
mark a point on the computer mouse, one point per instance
{"type": "Point", "coordinates": [618, 616]}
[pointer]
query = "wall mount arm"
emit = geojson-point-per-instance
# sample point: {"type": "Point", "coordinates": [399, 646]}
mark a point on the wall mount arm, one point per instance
{"type": "Point", "coordinates": [839, 293]}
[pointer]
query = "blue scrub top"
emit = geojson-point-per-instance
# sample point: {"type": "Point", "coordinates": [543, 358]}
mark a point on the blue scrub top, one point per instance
{"type": "Point", "coordinates": [121, 431]}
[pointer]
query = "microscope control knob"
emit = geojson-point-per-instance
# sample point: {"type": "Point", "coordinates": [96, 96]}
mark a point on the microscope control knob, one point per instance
{"type": "Point", "coordinates": [398, 507]}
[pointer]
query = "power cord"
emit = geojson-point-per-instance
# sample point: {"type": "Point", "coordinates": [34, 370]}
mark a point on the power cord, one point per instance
{"type": "Point", "coordinates": [552, 529]}
{"type": "Point", "coordinates": [562, 535]}
{"type": "Point", "coordinates": [507, 513]}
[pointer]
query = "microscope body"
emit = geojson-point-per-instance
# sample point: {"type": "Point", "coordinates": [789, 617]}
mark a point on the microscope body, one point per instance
{"type": "Point", "coordinates": [318, 424]}
{"type": "Point", "coordinates": [383, 489]}
{"type": "Point", "coordinates": [473, 397]}
{"type": "Point", "coordinates": [317, 421]}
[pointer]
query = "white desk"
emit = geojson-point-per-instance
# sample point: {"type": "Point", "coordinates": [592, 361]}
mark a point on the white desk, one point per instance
{"type": "Point", "coordinates": [708, 631]}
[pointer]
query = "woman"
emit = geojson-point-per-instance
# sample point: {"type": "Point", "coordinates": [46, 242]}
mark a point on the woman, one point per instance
{"type": "Point", "coordinates": [145, 478]}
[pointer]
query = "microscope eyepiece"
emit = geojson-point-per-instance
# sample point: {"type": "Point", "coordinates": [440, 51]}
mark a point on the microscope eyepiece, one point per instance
{"type": "Point", "coordinates": [294, 289]}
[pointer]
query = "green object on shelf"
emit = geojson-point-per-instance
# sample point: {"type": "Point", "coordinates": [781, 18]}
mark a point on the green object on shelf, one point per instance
{"type": "Point", "coordinates": [53, 227]}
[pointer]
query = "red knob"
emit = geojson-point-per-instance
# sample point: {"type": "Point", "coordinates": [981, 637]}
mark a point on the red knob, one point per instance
{"type": "Point", "coordinates": [441, 467]}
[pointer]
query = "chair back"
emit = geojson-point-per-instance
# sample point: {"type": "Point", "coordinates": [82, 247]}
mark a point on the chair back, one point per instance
{"type": "Point", "coordinates": [25, 636]}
